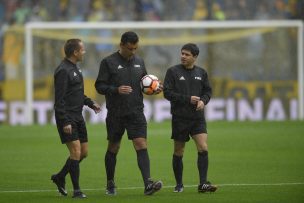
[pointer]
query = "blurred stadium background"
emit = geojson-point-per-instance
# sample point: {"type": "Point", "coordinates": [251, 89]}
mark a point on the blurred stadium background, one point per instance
{"type": "Point", "coordinates": [254, 70]}
{"type": "Point", "coordinates": [254, 74]}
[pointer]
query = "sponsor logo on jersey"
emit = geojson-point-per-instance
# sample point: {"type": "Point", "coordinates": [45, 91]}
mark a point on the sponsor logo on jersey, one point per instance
{"type": "Point", "coordinates": [119, 67]}
{"type": "Point", "coordinates": [182, 78]}
{"type": "Point", "coordinates": [197, 78]}
{"type": "Point", "coordinates": [136, 65]}
{"type": "Point", "coordinates": [75, 74]}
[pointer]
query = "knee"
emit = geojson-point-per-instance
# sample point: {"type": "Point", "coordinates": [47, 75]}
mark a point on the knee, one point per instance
{"type": "Point", "coordinates": [179, 148]}
{"type": "Point", "coordinates": [203, 147]}
{"type": "Point", "coordinates": [114, 148]}
{"type": "Point", "coordinates": [179, 151]}
{"type": "Point", "coordinates": [140, 143]}
{"type": "Point", "coordinates": [75, 154]}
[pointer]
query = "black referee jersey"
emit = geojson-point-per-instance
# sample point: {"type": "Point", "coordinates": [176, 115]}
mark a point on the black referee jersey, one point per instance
{"type": "Point", "coordinates": [180, 84]}
{"type": "Point", "coordinates": [115, 71]}
{"type": "Point", "coordinates": [69, 91]}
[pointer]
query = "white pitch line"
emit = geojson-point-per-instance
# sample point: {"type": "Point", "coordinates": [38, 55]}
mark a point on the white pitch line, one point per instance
{"type": "Point", "coordinates": [169, 186]}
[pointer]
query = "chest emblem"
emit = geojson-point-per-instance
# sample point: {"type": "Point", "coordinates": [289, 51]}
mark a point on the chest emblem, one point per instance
{"type": "Point", "coordinates": [119, 67]}
{"type": "Point", "coordinates": [182, 78]}
{"type": "Point", "coordinates": [75, 74]}
{"type": "Point", "coordinates": [197, 78]}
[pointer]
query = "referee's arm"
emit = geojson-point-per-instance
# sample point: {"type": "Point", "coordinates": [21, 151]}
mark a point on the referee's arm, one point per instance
{"type": "Point", "coordinates": [61, 85]}
{"type": "Point", "coordinates": [102, 85]}
{"type": "Point", "coordinates": [207, 90]}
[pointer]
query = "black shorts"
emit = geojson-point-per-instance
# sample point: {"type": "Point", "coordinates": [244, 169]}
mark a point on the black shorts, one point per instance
{"type": "Point", "coordinates": [79, 131]}
{"type": "Point", "coordinates": [182, 128]}
{"type": "Point", "coordinates": [135, 124]}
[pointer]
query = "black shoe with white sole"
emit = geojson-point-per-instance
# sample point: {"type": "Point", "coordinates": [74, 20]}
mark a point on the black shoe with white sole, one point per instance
{"type": "Point", "coordinates": [152, 187]}
{"type": "Point", "coordinates": [206, 187]}
{"type": "Point", "coordinates": [60, 183]}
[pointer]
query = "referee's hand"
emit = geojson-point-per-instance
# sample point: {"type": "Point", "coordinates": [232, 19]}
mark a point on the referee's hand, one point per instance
{"type": "Point", "coordinates": [96, 108]}
{"type": "Point", "coordinates": [67, 129]}
{"type": "Point", "coordinates": [200, 105]}
{"type": "Point", "coordinates": [160, 88]}
{"type": "Point", "coordinates": [123, 89]}
{"type": "Point", "coordinates": [194, 99]}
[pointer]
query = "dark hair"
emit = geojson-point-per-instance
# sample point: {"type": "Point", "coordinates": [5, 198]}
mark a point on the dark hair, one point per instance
{"type": "Point", "coordinates": [70, 46]}
{"type": "Point", "coordinates": [192, 48]}
{"type": "Point", "coordinates": [129, 37]}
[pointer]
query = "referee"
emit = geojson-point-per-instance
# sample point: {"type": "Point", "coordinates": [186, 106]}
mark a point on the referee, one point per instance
{"type": "Point", "coordinates": [119, 80]}
{"type": "Point", "coordinates": [69, 101]}
{"type": "Point", "coordinates": [187, 88]}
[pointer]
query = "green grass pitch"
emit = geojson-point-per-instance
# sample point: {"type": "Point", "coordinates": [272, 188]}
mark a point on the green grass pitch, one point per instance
{"type": "Point", "coordinates": [250, 161]}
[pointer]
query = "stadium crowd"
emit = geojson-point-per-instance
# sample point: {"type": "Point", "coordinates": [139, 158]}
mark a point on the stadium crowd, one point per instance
{"type": "Point", "coordinates": [22, 11]}
{"type": "Point", "coordinates": [18, 12]}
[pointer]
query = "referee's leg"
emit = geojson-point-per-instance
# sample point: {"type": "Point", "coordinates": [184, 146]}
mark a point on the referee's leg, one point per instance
{"type": "Point", "coordinates": [75, 154]}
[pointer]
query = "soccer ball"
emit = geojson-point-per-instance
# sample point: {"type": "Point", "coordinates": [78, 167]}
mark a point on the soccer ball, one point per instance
{"type": "Point", "coordinates": [149, 84]}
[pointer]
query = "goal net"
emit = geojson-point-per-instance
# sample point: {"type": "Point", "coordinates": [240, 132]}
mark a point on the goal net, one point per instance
{"type": "Point", "coordinates": [256, 67]}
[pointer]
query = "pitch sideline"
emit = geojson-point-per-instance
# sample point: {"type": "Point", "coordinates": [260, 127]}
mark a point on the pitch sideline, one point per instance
{"type": "Point", "coordinates": [169, 186]}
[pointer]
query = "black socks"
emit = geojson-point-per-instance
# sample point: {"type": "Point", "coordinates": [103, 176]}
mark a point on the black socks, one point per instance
{"type": "Point", "coordinates": [177, 164]}
{"type": "Point", "coordinates": [74, 173]}
{"type": "Point", "coordinates": [202, 165]}
{"type": "Point", "coordinates": [143, 162]}
{"type": "Point", "coordinates": [65, 170]}
{"type": "Point", "coordinates": [71, 166]}
{"type": "Point", "coordinates": [110, 164]}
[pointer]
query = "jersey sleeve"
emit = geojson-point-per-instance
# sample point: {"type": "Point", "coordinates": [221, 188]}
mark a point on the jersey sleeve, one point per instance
{"type": "Point", "coordinates": [207, 90]}
{"type": "Point", "coordinates": [144, 67]}
{"type": "Point", "coordinates": [88, 102]}
{"type": "Point", "coordinates": [102, 83]}
{"type": "Point", "coordinates": [61, 85]}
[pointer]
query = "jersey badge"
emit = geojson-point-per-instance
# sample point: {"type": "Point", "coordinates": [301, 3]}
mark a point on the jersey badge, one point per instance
{"type": "Point", "coordinates": [182, 78]}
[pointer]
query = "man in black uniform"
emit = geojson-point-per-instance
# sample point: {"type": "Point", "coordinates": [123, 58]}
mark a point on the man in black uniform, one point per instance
{"type": "Point", "coordinates": [119, 80]}
{"type": "Point", "coordinates": [69, 101]}
{"type": "Point", "coordinates": [187, 88]}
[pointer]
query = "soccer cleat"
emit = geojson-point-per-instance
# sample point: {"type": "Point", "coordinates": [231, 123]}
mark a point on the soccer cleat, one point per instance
{"type": "Point", "coordinates": [179, 188]}
{"type": "Point", "coordinates": [152, 187]}
{"type": "Point", "coordinates": [206, 187]}
{"type": "Point", "coordinates": [60, 183]}
{"type": "Point", "coordinates": [111, 188]}
{"type": "Point", "coordinates": [79, 194]}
